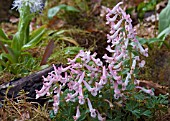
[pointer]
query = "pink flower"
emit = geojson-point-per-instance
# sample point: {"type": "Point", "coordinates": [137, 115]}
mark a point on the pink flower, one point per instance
{"type": "Point", "coordinates": [98, 62]}
{"type": "Point", "coordinates": [114, 74]}
{"type": "Point", "coordinates": [117, 25]}
{"type": "Point", "coordinates": [90, 68]}
{"type": "Point", "coordinates": [118, 65]}
{"type": "Point", "coordinates": [143, 51]}
{"type": "Point", "coordinates": [148, 91]}
{"type": "Point", "coordinates": [133, 64]}
{"type": "Point", "coordinates": [100, 117]}
{"type": "Point", "coordinates": [104, 77]}
{"type": "Point", "coordinates": [92, 111]}
{"type": "Point", "coordinates": [92, 90]}
{"type": "Point", "coordinates": [126, 81]}
{"type": "Point", "coordinates": [73, 71]}
{"type": "Point", "coordinates": [71, 85]}
{"type": "Point", "coordinates": [42, 92]}
{"type": "Point", "coordinates": [81, 78]}
{"type": "Point", "coordinates": [117, 92]}
{"type": "Point", "coordinates": [81, 97]}
{"type": "Point", "coordinates": [109, 49]}
{"type": "Point", "coordinates": [64, 69]}
{"type": "Point", "coordinates": [112, 19]}
{"type": "Point", "coordinates": [113, 11]}
{"type": "Point", "coordinates": [77, 114]}
{"type": "Point", "coordinates": [56, 100]}
{"type": "Point", "coordinates": [120, 56]}
{"type": "Point", "coordinates": [108, 59]}
{"type": "Point", "coordinates": [142, 63]}
{"type": "Point", "coordinates": [71, 97]}
{"type": "Point", "coordinates": [98, 85]}
{"type": "Point", "coordinates": [114, 35]}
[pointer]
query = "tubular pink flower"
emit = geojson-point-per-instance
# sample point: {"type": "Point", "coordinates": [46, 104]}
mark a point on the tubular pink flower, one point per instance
{"type": "Point", "coordinates": [91, 109]}
{"type": "Point", "coordinates": [64, 69]}
{"type": "Point", "coordinates": [81, 97]}
{"type": "Point", "coordinates": [55, 109]}
{"type": "Point", "coordinates": [133, 64]}
{"type": "Point", "coordinates": [98, 62]}
{"type": "Point", "coordinates": [118, 25]}
{"type": "Point", "coordinates": [81, 78]}
{"type": "Point", "coordinates": [126, 81]}
{"type": "Point", "coordinates": [117, 92]}
{"type": "Point", "coordinates": [73, 71]}
{"type": "Point", "coordinates": [143, 51]}
{"type": "Point", "coordinates": [92, 90]}
{"type": "Point", "coordinates": [71, 85]}
{"type": "Point", "coordinates": [90, 68]}
{"type": "Point", "coordinates": [118, 65]}
{"type": "Point", "coordinates": [77, 114]}
{"type": "Point", "coordinates": [42, 92]}
{"type": "Point", "coordinates": [120, 56]}
{"type": "Point", "coordinates": [71, 97]}
{"type": "Point", "coordinates": [98, 86]}
{"type": "Point", "coordinates": [76, 65]}
{"type": "Point", "coordinates": [109, 49]}
{"type": "Point", "coordinates": [114, 74]}
{"type": "Point", "coordinates": [126, 42]}
{"type": "Point", "coordinates": [111, 19]}
{"type": "Point", "coordinates": [56, 100]}
{"type": "Point", "coordinates": [104, 77]}
{"type": "Point", "coordinates": [113, 11]}
{"type": "Point", "coordinates": [148, 91]}
{"type": "Point", "coordinates": [76, 86]}
{"type": "Point", "coordinates": [100, 117]}
{"type": "Point", "coordinates": [114, 35]}
{"type": "Point", "coordinates": [108, 59]}
{"type": "Point", "coordinates": [142, 63]}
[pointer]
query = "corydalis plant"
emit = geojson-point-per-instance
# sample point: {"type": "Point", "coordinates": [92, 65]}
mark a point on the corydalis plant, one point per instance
{"type": "Point", "coordinates": [86, 77]}
{"type": "Point", "coordinates": [125, 48]}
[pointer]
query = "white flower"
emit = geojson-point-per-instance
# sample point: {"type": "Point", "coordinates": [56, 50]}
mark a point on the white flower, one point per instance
{"type": "Point", "coordinates": [35, 5]}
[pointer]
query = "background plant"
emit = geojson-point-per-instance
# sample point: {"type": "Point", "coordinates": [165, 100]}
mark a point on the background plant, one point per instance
{"type": "Point", "coordinates": [14, 51]}
{"type": "Point", "coordinates": [90, 84]}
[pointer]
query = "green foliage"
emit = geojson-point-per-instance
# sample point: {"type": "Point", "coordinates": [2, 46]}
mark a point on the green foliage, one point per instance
{"type": "Point", "coordinates": [164, 25]}
{"type": "Point", "coordinates": [14, 51]}
{"type": "Point", "coordinates": [164, 18]}
{"type": "Point", "coordinates": [152, 41]}
{"type": "Point", "coordinates": [146, 6]}
{"type": "Point", "coordinates": [53, 11]}
{"type": "Point", "coordinates": [137, 106]}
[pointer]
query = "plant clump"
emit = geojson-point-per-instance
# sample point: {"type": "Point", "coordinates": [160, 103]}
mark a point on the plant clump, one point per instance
{"type": "Point", "coordinates": [86, 82]}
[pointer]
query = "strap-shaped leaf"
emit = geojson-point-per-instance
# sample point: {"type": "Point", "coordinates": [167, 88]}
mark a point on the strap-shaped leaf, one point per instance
{"type": "Point", "coordinates": [164, 18]}
{"type": "Point", "coordinates": [164, 33]}
{"type": "Point", "coordinates": [35, 38]}
{"type": "Point", "coordinates": [16, 43]}
{"type": "Point", "coordinates": [8, 57]}
{"type": "Point", "coordinates": [12, 55]}
{"type": "Point", "coordinates": [3, 35]}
